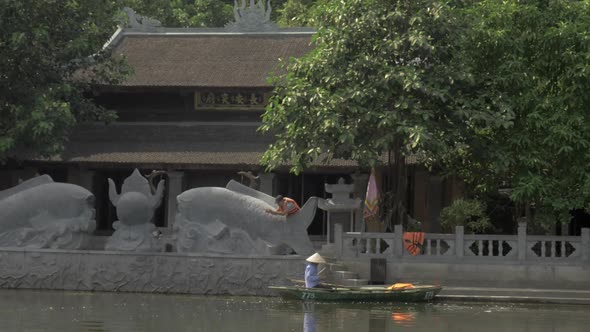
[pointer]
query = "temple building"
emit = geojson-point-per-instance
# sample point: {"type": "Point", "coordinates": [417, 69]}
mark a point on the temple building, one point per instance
{"type": "Point", "coordinates": [188, 115]}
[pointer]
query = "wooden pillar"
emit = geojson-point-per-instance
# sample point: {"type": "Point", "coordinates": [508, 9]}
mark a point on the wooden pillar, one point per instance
{"type": "Point", "coordinates": [420, 212]}
{"type": "Point", "coordinates": [175, 180]}
{"type": "Point", "coordinates": [585, 244]}
{"type": "Point", "coordinates": [267, 183]}
{"type": "Point", "coordinates": [81, 177]}
{"type": "Point", "coordinates": [360, 189]}
{"type": "Point", "coordinates": [435, 203]}
{"type": "Point", "coordinates": [398, 241]}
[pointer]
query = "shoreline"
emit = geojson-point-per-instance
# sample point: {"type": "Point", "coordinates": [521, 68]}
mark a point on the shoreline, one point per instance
{"type": "Point", "coordinates": [447, 295]}
{"type": "Point", "coordinates": [514, 295]}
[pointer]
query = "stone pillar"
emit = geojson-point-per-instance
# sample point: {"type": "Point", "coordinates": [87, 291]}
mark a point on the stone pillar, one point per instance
{"type": "Point", "coordinates": [338, 218]}
{"type": "Point", "coordinates": [267, 183]}
{"type": "Point", "coordinates": [360, 190]}
{"type": "Point", "coordinates": [459, 239]}
{"type": "Point", "coordinates": [338, 240]}
{"type": "Point", "coordinates": [522, 241]}
{"type": "Point", "coordinates": [174, 189]}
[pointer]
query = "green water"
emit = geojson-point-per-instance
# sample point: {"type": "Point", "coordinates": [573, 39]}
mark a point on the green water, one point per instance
{"type": "Point", "coordinates": [24, 310]}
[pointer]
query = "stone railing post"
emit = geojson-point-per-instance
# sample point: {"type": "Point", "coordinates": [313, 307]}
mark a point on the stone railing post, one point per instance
{"type": "Point", "coordinates": [398, 240]}
{"type": "Point", "coordinates": [522, 241]}
{"type": "Point", "coordinates": [585, 244]}
{"type": "Point", "coordinates": [338, 239]}
{"type": "Point", "coordinates": [459, 240]}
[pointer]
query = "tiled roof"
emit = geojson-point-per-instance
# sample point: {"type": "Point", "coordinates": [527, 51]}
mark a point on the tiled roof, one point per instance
{"type": "Point", "coordinates": [193, 145]}
{"type": "Point", "coordinates": [208, 60]}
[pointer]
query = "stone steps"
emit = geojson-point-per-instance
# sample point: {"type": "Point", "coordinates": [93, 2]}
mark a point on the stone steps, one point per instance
{"type": "Point", "coordinates": [339, 274]}
{"type": "Point", "coordinates": [355, 282]}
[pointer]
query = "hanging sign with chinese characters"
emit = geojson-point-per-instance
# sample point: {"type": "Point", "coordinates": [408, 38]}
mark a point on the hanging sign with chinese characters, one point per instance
{"type": "Point", "coordinates": [230, 100]}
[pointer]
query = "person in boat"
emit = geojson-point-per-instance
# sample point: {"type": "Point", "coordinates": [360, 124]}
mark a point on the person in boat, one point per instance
{"type": "Point", "coordinates": [312, 276]}
{"type": "Point", "coordinates": [285, 206]}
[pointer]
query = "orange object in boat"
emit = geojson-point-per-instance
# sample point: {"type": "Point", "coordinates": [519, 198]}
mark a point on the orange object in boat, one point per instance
{"type": "Point", "coordinates": [400, 285]}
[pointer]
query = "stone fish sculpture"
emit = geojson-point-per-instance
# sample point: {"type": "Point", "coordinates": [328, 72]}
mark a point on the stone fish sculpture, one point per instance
{"type": "Point", "coordinates": [135, 209]}
{"type": "Point", "coordinates": [233, 220]}
{"type": "Point", "coordinates": [40, 213]}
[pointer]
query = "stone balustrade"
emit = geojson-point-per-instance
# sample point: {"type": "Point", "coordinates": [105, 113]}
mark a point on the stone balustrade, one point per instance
{"type": "Point", "coordinates": [459, 246]}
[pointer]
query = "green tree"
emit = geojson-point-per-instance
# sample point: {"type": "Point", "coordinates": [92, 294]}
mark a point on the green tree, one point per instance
{"type": "Point", "coordinates": [185, 13]}
{"type": "Point", "coordinates": [51, 52]}
{"type": "Point", "coordinates": [467, 213]}
{"type": "Point", "coordinates": [382, 83]}
{"type": "Point", "coordinates": [534, 55]}
{"type": "Point", "coordinates": [296, 13]}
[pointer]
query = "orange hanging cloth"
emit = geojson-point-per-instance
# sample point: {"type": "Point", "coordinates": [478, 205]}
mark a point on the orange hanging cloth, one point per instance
{"type": "Point", "coordinates": [413, 242]}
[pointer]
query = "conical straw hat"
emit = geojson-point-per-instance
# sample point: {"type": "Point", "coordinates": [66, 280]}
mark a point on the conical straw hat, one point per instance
{"type": "Point", "coordinates": [315, 258]}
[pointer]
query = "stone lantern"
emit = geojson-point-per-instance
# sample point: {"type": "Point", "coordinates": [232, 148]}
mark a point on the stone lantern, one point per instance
{"type": "Point", "coordinates": [340, 208]}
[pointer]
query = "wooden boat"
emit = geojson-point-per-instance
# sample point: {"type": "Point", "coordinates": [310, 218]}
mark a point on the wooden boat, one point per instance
{"type": "Point", "coordinates": [419, 293]}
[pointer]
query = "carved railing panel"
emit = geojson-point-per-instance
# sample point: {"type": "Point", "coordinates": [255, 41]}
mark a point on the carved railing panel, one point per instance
{"type": "Point", "coordinates": [368, 244]}
{"type": "Point", "coordinates": [437, 245]}
{"type": "Point", "coordinates": [490, 248]}
{"type": "Point", "coordinates": [557, 247]}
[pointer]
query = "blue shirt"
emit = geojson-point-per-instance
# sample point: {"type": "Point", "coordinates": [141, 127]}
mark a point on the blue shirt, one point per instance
{"type": "Point", "coordinates": [311, 275]}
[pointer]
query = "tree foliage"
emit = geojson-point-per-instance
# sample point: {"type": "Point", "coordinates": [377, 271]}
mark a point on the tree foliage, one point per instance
{"type": "Point", "coordinates": [468, 213]}
{"type": "Point", "coordinates": [44, 46]}
{"type": "Point", "coordinates": [492, 91]}
{"type": "Point", "coordinates": [383, 76]}
{"type": "Point", "coordinates": [297, 13]}
{"type": "Point", "coordinates": [534, 55]}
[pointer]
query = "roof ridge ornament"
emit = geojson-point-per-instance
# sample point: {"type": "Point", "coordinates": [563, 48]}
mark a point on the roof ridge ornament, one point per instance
{"type": "Point", "coordinates": [140, 22]}
{"type": "Point", "coordinates": [254, 17]}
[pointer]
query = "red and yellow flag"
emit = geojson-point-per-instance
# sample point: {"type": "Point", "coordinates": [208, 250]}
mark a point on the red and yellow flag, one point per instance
{"type": "Point", "coordinates": [371, 198]}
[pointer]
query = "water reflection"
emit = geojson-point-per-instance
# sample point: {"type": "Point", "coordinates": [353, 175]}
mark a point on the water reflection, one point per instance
{"type": "Point", "coordinates": [308, 317]}
{"type": "Point", "coordinates": [405, 319]}
{"type": "Point", "coordinates": [71, 311]}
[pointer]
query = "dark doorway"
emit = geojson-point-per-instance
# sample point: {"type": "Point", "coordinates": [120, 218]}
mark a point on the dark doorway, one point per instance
{"type": "Point", "coordinates": [580, 219]}
{"type": "Point", "coordinates": [57, 174]}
